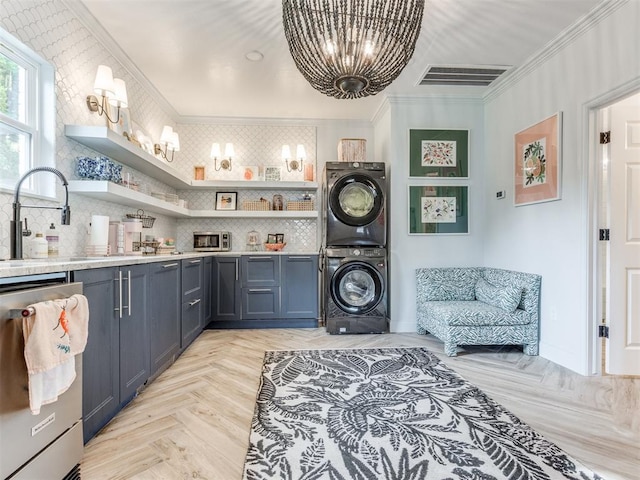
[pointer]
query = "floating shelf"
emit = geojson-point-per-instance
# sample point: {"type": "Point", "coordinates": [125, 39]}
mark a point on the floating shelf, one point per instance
{"type": "Point", "coordinates": [117, 147]}
{"type": "Point", "coordinates": [111, 192]}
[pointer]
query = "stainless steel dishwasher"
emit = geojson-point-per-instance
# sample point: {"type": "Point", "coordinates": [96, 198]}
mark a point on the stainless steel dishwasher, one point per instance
{"type": "Point", "coordinates": [48, 445]}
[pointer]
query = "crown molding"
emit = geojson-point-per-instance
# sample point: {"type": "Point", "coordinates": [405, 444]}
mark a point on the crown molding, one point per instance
{"type": "Point", "coordinates": [588, 21]}
{"type": "Point", "coordinates": [91, 23]}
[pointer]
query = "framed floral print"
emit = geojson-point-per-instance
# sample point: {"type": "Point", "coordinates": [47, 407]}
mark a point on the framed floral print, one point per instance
{"type": "Point", "coordinates": [538, 161]}
{"type": "Point", "coordinates": [439, 153]}
{"type": "Point", "coordinates": [438, 209]}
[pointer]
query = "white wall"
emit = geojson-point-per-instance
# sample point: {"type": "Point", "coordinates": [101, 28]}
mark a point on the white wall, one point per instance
{"type": "Point", "coordinates": [408, 252]}
{"type": "Point", "coordinates": [552, 238]}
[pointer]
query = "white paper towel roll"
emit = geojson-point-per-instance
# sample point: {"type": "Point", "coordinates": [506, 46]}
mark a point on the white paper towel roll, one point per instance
{"type": "Point", "coordinates": [99, 230]}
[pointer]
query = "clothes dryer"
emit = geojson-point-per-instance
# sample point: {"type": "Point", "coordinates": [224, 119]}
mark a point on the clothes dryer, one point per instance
{"type": "Point", "coordinates": [355, 204]}
{"type": "Point", "coordinates": [355, 290]}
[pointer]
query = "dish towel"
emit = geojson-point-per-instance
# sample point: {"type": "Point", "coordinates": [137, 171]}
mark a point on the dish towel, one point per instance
{"type": "Point", "coordinates": [53, 335]}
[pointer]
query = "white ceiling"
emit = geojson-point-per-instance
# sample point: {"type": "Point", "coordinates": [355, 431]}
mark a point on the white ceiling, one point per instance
{"type": "Point", "coordinates": [193, 51]}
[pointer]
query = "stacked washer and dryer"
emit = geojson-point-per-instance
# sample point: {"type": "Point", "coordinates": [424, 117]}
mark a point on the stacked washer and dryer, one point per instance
{"type": "Point", "coordinates": [354, 240]}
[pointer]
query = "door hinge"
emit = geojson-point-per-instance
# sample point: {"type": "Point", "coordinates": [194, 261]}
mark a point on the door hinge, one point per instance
{"type": "Point", "coordinates": [605, 137]}
{"type": "Point", "coordinates": [603, 331]}
{"type": "Point", "coordinates": [604, 235]}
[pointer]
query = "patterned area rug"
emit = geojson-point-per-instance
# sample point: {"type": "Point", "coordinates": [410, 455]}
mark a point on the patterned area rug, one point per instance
{"type": "Point", "coordinates": [395, 414]}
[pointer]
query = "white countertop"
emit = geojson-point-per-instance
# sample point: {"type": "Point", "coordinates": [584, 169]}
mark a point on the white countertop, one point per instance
{"type": "Point", "coordinates": [17, 268]}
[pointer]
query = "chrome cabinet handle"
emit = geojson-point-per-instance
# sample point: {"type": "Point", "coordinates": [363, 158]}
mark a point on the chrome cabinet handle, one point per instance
{"type": "Point", "coordinates": [129, 289]}
{"type": "Point", "coordinates": [236, 269]}
{"type": "Point", "coordinates": [252, 290]}
{"type": "Point", "coordinates": [299, 258]}
{"type": "Point", "coordinates": [119, 309]}
{"type": "Point", "coordinates": [195, 261]}
{"type": "Point", "coordinates": [195, 302]}
{"type": "Point", "coordinates": [169, 265]}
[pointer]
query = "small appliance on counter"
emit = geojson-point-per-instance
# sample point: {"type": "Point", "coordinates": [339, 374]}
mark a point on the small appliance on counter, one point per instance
{"type": "Point", "coordinates": [132, 236]}
{"type": "Point", "coordinates": [211, 241]}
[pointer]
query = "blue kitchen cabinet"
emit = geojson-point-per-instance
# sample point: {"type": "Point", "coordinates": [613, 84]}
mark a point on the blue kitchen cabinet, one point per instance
{"type": "Point", "coordinates": [193, 293]}
{"type": "Point", "coordinates": [116, 357]}
{"type": "Point", "coordinates": [226, 301]}
{"type": "Point", "coordinates": [299, 285]}
{"type": "Point", "coordinates": [165, 314]}
{"type": "Point", "coordinates": [260, 287]}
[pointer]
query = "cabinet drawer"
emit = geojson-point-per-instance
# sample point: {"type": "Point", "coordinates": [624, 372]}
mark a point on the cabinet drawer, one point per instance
{"type": "Point", "coordinates": [192, 275]}
{"type": "Point", "coordinates": [260, 270]}
{"type": "Point", "coordinates": [260, 303]}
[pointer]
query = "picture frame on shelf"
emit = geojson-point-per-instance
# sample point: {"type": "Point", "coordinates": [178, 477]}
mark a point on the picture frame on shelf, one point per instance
{"type": "Point", "coordinates": [199, 172]}
{"type": "Point", "coordinates": [439, 153]}
{"type": "Point", "coordinates": [279, 237]}
{"type": "Point", "coordinates": [226, 200]}
{"type": "Point", "coordinates": [272, 174]}
{"type": "Point", "coordinates": [272, 238]}
{"type": "Point", "coordinates": [538, 162]}
{"type": "Point", "coordinates": [250, 173]}
{"type": "Point", "coordinates": [438, 209]}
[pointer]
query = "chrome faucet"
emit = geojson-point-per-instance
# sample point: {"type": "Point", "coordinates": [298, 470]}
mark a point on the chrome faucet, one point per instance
{"type": "Point", "coordinates": [16, 223]}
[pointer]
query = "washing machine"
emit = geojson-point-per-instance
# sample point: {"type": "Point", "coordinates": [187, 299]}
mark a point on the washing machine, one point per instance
{"type": "Point", "coordinates": [354, 204]}
{"type": "Point", "coordinates": [355, 290]}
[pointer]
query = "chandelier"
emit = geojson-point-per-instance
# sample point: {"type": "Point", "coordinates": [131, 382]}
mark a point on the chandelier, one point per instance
{"type": "Point", "coordinates": [351, 48]}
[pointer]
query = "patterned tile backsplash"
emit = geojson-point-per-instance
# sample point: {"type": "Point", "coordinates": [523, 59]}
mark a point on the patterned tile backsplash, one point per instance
{"type": "Point", "coordinates": [56, 33]}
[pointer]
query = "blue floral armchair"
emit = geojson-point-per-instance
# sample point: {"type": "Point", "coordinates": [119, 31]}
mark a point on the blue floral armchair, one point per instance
{"type": "Point", "coordinates": [479, 306]}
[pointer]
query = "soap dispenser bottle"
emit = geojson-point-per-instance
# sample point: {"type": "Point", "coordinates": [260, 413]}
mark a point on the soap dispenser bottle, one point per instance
{"type": "Point", "coordinates": [53, 241]}
{"type": "Point", "coordinates": [39, 248]}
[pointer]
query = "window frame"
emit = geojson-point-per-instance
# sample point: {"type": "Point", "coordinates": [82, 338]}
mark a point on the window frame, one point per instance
{"type": "Point", "coordinates": [40, 117]}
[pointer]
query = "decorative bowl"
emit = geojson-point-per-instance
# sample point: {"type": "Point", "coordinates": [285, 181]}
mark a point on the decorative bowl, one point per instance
{"type": "Point", "coordinates": [274, 247]}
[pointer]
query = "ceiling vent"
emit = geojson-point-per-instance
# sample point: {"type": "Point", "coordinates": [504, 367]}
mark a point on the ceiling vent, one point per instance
{"type": "Point", "coordinates": [477, 76]}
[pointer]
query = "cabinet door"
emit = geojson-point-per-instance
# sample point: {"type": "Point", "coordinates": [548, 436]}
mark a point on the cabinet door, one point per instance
{"type": "Point", "coordinates": [260, 303]}
{"type": "Point", "coordinates": [164, 314]}
{"type": "Point", "coordinates": [260, 270]}
{"type": "Point", "coordinates": [192, 291]}
{"type": "Point", "coordinates": [134, 331]}
{"type": "Point", "coordinates": [227, 283]}
{"type": "Point", "coordinates": [207, 293]}
{"type": "Point", "coordinates": [100, 361]}
{"type": "Point", "coordinates": [300, 286]}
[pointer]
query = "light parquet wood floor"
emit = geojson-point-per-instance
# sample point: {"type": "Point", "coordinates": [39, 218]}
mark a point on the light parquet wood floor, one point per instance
{"type": "Point", "coordinates": [193, 421]}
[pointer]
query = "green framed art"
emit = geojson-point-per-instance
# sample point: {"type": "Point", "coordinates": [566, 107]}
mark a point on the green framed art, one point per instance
{"type": "Point", "coordinates": [438, 209]}
{"type": "Point", "coordinates": [439, 153]}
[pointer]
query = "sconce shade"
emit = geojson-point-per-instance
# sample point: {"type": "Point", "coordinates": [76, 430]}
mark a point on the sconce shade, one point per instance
{"type": "Point", "coordinates": [175, 142]}
{"type": "Point", "coordinates": [351, 48]}
{"type": "Point", "coordinates": [167, 134]}
{"type": "Point", "coordinates": [103, 84]}
{"type": "Point", "coordinates": [300, 152]}
{"type": "Point", "coordinates": [229, 151]}
{"type": "Point", "coordinates": [119, 98]}
{"type": "Point", "coordinates": [286, 152]}
{"type": "Point", "coordinates": [215, 150]}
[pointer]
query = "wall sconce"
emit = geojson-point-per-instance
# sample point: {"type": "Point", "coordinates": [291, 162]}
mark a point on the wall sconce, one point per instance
{"type": "Point", "coordinates": [110, 89]}
{"type": "Point", "coordinates": [225, 163]}
{"type": "Point", "coordinates": [295, 164]}
{"type": "Point", "coordinates": [171, 142]}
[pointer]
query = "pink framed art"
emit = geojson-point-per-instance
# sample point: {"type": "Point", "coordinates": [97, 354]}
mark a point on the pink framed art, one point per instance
{"type": "Point", "coordinates": [538, 162]}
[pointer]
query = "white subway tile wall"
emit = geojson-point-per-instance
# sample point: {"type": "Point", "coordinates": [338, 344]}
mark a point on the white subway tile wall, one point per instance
{"type": "Point", "coordinates": [56, 33]}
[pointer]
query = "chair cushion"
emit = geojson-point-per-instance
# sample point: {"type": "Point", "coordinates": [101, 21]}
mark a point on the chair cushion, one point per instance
{"type": "Point", "coordinates": [473, 313]}
{"type": "Point", "coordinates": [507, 298]}
{"type": "Point", "coordinates": [448, 290]}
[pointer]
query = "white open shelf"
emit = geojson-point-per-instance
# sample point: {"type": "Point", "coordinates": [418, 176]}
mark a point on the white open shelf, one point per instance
{"type": "Point", "coordinates": [111, 192]}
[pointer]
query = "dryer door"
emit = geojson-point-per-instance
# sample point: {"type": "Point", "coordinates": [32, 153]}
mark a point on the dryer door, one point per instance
{"type": "Point", "coordinates": [356, 287]}
{"type": "Point", "coordinates": [356, 199]}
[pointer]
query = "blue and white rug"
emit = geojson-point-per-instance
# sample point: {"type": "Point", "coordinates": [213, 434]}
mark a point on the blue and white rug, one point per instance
{"type": "Point", "coordinates": [394, 414]}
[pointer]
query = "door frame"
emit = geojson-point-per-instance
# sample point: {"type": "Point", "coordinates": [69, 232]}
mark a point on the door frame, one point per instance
{"type": "Point", "coordinates": [592, 162]}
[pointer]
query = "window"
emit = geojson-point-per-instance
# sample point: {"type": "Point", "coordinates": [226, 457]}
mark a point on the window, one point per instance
{"type": "Point", "coordinates": [27, 116]}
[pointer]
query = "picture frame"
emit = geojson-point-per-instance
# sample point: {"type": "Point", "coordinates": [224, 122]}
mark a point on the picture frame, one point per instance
{"type": "Point", "coordinates": [226, 200]}
{"type": "Point", "coordinates": [271, 238]}
{"type": "Point", "coordinates": [442, 153]}
{"type": "Point", "coordinates": [438, 209]}
{"type": "Point", "coordinates": [538, 162]}
{"type": "Point", "coordinates": [199, 172]}
{"type": "Point", "coordinates": [279, 237]}
{"type": "Point", "coordinates": [272, 174]}
{"type": "Point", "coordinates": [250, 173]}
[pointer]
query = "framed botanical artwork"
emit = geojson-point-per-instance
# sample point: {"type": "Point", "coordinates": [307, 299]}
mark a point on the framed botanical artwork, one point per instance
{"type": "Point", "coordinates": [250, 173]}
{"type": "Point", "coordinates": [439, 153]}
{"type": "Point", "coordinates": [226, 200]}
{"type": "Point", "coordinates": [198, 172]}
{"type": "Point", "coordinates": [438, 209]}
{"type": "Point", "coordinates": [538, 162]}
{"type": "Point", "coordinates": [272, 174]}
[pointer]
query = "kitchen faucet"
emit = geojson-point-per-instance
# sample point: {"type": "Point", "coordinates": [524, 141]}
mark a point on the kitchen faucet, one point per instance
{"type": "Point", "coordinates": [16, 223]}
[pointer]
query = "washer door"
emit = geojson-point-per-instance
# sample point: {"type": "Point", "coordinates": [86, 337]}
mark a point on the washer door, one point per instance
{"type": "Point", "coordinates": [356, 199]}
{"type": "Point", "coordinates": [356, 287]}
